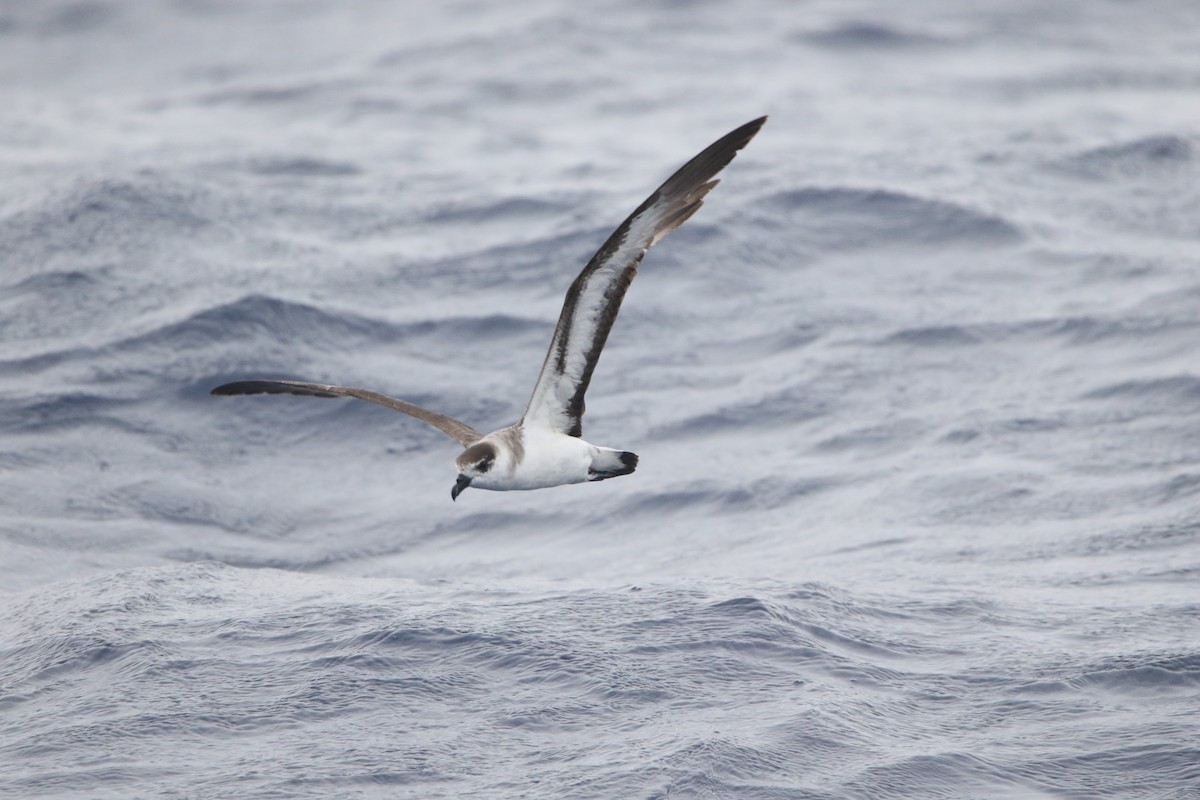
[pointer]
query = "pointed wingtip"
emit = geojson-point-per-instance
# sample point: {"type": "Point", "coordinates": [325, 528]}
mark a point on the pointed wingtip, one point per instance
{"type": "Point", "coordinates": [272, 387]}
{"type": "Point", "coordinates": [241, 387]}
{"type": "Point", "coordinates": [749, 130]}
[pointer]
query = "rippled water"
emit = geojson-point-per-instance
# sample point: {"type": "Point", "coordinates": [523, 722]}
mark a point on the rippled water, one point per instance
{"type": "Point", "coordinates": [916, 396]}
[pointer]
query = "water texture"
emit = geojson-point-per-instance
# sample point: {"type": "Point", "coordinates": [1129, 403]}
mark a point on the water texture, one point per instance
{"type": "Point", "coordinates": [916, 396]}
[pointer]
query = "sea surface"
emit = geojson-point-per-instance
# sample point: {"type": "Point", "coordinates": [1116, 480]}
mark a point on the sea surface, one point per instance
{"type": "Point", "coordinates": [916, 395]}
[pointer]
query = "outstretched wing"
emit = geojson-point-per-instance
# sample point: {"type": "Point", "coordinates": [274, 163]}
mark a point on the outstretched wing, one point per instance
{"type": "Point", "coordinates": [461, 432]}
{"type": "Point", "coordinates": [595, 297]}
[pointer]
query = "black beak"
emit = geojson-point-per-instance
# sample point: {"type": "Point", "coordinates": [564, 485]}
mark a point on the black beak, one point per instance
{"type": "Point", "coordinates": [462, 483]}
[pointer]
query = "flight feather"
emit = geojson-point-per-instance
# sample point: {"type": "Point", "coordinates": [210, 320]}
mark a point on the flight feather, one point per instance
{"type": "Point", "coordinates": [592, 302]}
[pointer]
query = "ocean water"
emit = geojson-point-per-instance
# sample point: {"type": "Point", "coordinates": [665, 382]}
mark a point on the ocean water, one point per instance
{"type": "Point", "coordinates": [916, 395]}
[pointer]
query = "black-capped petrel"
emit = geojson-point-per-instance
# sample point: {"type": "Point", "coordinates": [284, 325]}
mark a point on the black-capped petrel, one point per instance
{"type": "Point", "coordinates": [544, 448]}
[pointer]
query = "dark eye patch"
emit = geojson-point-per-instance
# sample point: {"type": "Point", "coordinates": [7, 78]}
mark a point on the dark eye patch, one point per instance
{"type": "Point", "coordinates": [480, 457]}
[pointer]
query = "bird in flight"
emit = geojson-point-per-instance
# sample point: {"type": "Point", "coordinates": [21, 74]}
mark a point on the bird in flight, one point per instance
{"type": "Point", "coordinates": [545, 448]}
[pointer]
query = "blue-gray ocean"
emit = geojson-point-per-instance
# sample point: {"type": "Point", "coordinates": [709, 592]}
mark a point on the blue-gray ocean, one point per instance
{"type": "Point", "coordinates": [916, 395]}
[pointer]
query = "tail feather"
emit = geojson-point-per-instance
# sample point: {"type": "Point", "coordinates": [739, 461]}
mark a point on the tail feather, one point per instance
{"type": "Point", "coordinates": [611, 464]}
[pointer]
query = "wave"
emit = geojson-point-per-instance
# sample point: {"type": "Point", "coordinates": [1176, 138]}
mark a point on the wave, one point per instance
{"type": "Point", "coordinates": [1151, 157]}
{"type": "Point", "coordinates": [935, 336]}
{"type": "Point", "coordinates": [1182, 534]}
{"type": "Point", "coordinates": [124, 210]}
{"type": "Point", "coordinates": [214, 651]}
{"type": "Point", "coordinates": [1143, 674]}
{"type": "Point", "coordinates": [274, 331]}
{"type": "Point", "coordinates": [500, 209]}
{"type": "Point", "coordinates": [777, 410]}
{"type": "Point", "coordinates": [64, 411]}
{"type": "Point", "coordinates": [302, 167]}
{"type": "Point", "coordinates": [855, 36]}
{"type": "Point", "coordinates": [1179, 392]}
{"type": "Point", "coordinates": [840, 219]}
{"type": "Point", "coordinates": [757, 495]}
{"type": "Point", "coordinates": [68, 19]}
{"type": "Point", "coordinates": [1074, 331]}
{"type": "Point", "coordinates": [322, 93]}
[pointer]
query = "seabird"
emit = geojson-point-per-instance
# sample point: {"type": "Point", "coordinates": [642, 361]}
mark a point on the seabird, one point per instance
{"type": "Point", "coordinates": [545, 448]}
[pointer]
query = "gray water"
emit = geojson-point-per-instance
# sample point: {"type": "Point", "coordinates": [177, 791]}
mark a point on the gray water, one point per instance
{"type": "Point", "coordinates": [916, 395]}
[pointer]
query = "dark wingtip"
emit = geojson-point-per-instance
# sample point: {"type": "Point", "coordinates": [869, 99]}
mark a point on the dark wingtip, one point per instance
{"type": "Point", "coordinates": [747, 132]}
{"type": "Point", "coordinates": [266, 387]}
{"type": "Point", "coordinates": [742, 136]}
{"type": "Point", "coordinates": [758, 123]}
{"type": "Point", "coordinates": [246, 387]}
{"type": "Point", "coordinates": [707, 163]}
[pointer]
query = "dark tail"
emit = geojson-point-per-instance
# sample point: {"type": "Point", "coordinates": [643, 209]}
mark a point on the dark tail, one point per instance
{"type": "Point", "coordinates": [612, 464]}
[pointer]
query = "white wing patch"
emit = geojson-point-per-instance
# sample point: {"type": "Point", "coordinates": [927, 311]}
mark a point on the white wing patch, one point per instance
{"type": "Point", "coordinates": [592, 302]}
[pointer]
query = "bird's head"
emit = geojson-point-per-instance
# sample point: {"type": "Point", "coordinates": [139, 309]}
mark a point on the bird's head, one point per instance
{"type": "Point", "coordinates": [476, 460]}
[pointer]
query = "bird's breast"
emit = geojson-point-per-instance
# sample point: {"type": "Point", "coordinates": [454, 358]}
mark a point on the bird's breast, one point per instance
{"type": "Point", "coordinates": [546, 459]}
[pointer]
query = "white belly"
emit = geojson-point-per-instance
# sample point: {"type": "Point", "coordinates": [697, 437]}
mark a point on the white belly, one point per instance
{"type": "Point", "coordinates": [548, 459]}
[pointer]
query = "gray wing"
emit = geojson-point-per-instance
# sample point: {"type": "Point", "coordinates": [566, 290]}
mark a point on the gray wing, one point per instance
{"type": "Point", "coordinates": [461, 432]}
{"type": "Point", "coordinates": [595, 297]}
